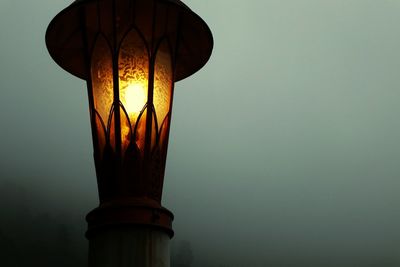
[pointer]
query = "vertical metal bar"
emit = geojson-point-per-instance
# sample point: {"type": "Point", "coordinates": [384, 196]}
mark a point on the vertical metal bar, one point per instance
{"type": "Point", "coordinates": [89, 84]}
{"type": "Point", "coordinates": [173, 57]}
{"type": "Point", "coordinates": [149, 114]}
{"type": "Point", "coordinates": [117, 119]}
{"type": "Point", "coordinates": [132, 10]}
{"type": "Point", "coordinates": [178, 37]}
{"type": "Point", "coordinates": [174, 60]}
{"type": "Point", "coordinates": [98, 15]}
{"type": "Point", "coordinates": [166, 21]}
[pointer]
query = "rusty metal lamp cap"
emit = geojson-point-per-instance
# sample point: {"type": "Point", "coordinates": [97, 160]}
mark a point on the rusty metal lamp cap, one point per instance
{"type": "Point", "coordinates": [65, 45]}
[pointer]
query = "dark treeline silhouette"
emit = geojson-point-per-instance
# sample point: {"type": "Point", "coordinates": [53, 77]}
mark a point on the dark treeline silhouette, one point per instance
{"type": "Point", "coordinates": [34, 238]}
{"type": "Point", "coordinates": [30, 237]}
{"type": "Point", "coordinates": [182, 255]}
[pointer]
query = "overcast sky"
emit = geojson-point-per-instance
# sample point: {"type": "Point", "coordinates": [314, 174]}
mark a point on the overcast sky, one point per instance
{"type": "Point", "coordinates": [284, 149]}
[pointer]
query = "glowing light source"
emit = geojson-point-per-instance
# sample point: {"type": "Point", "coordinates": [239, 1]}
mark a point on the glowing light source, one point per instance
{"type": "Point", "coordinates": [135, 98]}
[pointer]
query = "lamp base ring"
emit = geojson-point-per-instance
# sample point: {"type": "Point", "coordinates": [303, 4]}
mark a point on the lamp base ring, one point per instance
{"type": "Point", "coordinates": [123, 213]}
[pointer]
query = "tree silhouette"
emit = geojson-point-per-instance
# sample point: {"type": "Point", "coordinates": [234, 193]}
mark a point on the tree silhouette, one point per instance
{"type": "Point", "coordinates": [183, 257]}
{"type": "Point", "coordinates": [8, 251]}
{"type": "Point", "coordinates": [39, 239]}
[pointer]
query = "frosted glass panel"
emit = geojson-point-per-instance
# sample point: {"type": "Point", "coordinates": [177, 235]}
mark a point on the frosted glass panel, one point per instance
{"type": "Point", "coordinates": [162, 83]}
{"type": "Point", "coordinates": [102, 79]}
{"type": "Point", "coordinates": [133, 80]}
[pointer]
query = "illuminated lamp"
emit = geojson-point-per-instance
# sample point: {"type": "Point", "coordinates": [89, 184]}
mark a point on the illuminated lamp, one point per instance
{"type": "Point", "coordinates": [130, 52]}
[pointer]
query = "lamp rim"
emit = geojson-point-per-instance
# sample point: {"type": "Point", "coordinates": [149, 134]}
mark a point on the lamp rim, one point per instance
{"type": "Point", "coordinates": [188, 62]}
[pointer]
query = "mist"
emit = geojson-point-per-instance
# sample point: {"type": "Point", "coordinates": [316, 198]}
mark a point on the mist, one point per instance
{"type": "Point", "coordinates": [284, 149]}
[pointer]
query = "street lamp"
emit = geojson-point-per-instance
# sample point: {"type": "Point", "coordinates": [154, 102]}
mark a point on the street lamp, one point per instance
{"type": "Point", "coordinates": [130, 52]}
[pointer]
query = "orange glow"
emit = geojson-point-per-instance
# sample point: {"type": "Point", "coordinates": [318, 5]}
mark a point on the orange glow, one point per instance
{"type": "Point", "coordinates": [133, 69]}
{"type": "Point", "coordinates": [135, 96]}
{"type": "Point", "coordinates": [133, 82]}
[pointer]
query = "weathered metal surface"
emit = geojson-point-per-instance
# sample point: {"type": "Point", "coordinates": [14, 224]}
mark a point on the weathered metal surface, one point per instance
{"type": "Point", "coordinates": [129, 247]}
{"type": "Point", "coordinates": [127, 212]}
{"type": "Point", "coordinates": [64, 35]}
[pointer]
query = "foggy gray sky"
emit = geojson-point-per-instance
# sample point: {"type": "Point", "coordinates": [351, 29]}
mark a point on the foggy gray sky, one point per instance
{"type": "Point", "coordinates": [284, 149]}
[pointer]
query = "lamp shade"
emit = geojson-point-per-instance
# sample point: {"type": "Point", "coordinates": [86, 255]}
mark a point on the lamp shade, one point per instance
{"type": "Point", "coordinates": [130, 52]}
{"type": "Point", "coordinates": [64, 33]}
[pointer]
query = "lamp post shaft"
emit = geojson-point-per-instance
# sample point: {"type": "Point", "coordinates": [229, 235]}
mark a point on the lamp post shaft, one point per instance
{"type": "Point", "coordinates": [129, 246]}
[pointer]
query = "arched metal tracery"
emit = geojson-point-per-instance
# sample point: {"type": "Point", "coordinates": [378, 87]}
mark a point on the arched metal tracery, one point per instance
{"type": "Point", "coordinates": [130, 95]}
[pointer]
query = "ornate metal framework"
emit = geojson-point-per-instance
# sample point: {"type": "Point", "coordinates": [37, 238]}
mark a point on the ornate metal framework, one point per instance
{"type": "Point", "coordinates": [147, 45]}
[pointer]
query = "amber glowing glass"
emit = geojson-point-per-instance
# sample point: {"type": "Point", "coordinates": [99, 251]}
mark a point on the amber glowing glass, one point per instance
{"type": "Point", "coordinates": [133, 70]}
{"type": "Point", "coordinates": [134, 92]}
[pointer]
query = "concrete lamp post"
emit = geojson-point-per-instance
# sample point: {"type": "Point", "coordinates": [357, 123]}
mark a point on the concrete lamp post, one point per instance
{"type": "Point", "coordinates": [130, 52]}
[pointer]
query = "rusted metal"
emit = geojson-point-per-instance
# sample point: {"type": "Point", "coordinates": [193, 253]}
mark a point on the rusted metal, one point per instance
{"type": "Point", "coordinates": [63, 38]}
